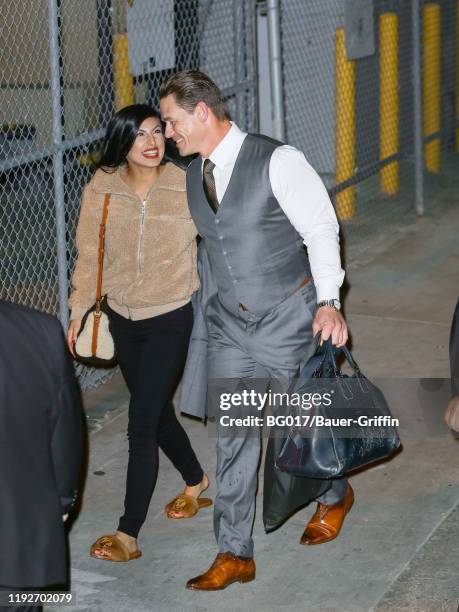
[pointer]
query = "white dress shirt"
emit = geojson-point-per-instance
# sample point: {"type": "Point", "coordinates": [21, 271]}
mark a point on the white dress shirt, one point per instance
{"type": "Point", "coordinates": [303, 198]}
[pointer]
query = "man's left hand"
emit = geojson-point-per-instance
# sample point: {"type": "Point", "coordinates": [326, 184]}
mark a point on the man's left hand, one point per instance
{"type": "Point", "coordinates": [332, 324]}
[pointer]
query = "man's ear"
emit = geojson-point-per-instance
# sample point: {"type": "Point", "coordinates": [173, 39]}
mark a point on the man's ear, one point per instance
{"type": "Point", "coordinates": [202, 111]}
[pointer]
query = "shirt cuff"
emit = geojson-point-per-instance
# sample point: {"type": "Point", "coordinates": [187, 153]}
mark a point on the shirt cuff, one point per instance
{"type": "Point", "coordinates": [327, 291]}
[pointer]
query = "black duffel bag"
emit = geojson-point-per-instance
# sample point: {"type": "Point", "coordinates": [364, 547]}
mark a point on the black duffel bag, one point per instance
{"type": "Point", "coordinates": [348, 424]}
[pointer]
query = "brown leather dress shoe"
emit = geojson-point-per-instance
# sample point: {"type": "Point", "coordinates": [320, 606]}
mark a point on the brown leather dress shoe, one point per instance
{"type": "Point", "coordinates": [327, 521]}
{"type": "Point", "coordinates": [226, 569]}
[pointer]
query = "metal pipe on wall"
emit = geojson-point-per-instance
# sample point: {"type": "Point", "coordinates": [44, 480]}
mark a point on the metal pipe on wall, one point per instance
{"type": "Point", "coordinates": [417, 108]}
{"type": "Point", "coordinates": [58, 159]}
{"type": "Point", "coordinates": [275, 57]}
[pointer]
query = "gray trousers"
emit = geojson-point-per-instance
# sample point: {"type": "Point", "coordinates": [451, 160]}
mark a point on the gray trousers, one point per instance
{"type": "Point", "coordinates": [255, 353]}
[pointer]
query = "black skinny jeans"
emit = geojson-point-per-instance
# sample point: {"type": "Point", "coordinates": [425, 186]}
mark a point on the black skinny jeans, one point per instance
{"type": "Point", "coordinates": [151, 355]}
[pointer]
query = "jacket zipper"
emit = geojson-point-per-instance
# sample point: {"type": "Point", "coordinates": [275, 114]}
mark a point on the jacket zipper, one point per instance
{"type": "Point", "coordinates": [142, 219]}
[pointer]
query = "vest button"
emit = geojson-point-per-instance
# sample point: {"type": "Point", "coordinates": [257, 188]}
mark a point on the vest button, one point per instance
{"type": "Point", "coordinates": [217, 220]}
{"type": "Point", "coordinates": [234, 281]}
{"type": "Point", "coordinates": [221, 237]}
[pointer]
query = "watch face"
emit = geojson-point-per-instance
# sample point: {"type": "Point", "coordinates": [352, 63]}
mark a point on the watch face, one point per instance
{"type": "Point", "coordinates": [332, 303]}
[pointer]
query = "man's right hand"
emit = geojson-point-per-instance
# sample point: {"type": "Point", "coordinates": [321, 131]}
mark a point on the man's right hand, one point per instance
{"type": "Point", "coordinates": [74, 328]}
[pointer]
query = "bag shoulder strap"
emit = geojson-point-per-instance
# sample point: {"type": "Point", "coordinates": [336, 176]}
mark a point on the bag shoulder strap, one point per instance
{"type": "Point", "coordinates": [101, 250]}
{"type": "Point", "coordinates": [97, 312]}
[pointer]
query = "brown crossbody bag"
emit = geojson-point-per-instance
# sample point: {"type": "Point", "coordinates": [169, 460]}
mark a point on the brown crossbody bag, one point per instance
{"type": "Point", "coordinates": [94, 346]}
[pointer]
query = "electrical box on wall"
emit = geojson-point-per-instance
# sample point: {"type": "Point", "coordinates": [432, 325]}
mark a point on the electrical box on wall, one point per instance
{"type": "Point", "coordinates": [151, 36]}
{"type": "Point", "coordinates": [359, 28]}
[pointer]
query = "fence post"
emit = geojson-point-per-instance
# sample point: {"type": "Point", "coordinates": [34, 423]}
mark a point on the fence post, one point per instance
{"type": "Point", "coordinates": [275, 61]}
{"type": "Point", "coordinates": [238, 56]}
{"type": "Point", "coordinates": [417, 109]}
{"type": "Point", "coordinates": [58, 160]}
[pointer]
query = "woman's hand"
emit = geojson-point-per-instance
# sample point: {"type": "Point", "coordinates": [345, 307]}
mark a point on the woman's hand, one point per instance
{"type": "Point", "coordinates": [74, 328]}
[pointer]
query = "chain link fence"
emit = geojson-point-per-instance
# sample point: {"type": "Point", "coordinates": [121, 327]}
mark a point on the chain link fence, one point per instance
{"type": "Point", "coordinates": [368, 90]}
{"type": "Point", "coordinates": [356, 76]}
{"type": "Point", "coordinates": [66, 68]}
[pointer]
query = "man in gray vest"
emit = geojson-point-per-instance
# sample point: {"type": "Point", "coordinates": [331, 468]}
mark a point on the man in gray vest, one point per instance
{"type": "Point", "coordinates": [254, 202]}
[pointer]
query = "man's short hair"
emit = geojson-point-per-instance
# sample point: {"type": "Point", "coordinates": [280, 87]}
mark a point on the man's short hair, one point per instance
{"type": "Point", "coordinates": [190, 87]}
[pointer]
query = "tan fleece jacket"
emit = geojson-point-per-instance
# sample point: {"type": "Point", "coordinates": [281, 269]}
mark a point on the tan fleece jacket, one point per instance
{"type": "Point", "coordinates": [150, 247]}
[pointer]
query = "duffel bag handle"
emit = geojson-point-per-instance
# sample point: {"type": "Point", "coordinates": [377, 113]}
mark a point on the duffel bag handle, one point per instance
{"type": "Point", "coordinates": [332, 352]}
{"type": "Point", "coordinates": [326, 355]}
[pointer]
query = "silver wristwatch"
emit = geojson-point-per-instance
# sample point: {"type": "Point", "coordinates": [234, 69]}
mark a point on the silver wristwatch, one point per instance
{"type": "Point", "coordinates": [336, 304]}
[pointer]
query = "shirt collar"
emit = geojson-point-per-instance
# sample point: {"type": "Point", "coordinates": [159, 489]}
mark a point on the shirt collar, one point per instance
{"type": "Point", "coordinates": [226, 152]}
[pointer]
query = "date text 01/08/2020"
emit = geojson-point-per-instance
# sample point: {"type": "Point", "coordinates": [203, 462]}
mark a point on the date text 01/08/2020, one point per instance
{"type": "Point", "coordinates": [307, 420]}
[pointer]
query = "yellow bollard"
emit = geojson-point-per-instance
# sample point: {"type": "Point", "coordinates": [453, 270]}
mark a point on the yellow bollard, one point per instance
{"type": "Point", "coordinates": [431, 84]}
{"type": "Point", "coordinates": [457, 75]}
{"type": "Point", "coordinates": [124, 84]}
{"type": "Point", "coordinates": [345, 127]}
{"type": "Point", "coordinates": [388, 101]}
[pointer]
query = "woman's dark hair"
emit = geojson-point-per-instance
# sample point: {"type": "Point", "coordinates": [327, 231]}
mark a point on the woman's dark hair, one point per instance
{"type": "Point", "coordinates": [120, 135]}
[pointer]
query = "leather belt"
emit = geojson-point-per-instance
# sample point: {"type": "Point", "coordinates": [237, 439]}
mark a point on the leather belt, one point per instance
{"type": "Point", "coordinates": [305, 281]}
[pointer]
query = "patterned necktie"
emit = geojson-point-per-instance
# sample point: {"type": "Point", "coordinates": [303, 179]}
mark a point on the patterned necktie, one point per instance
{"type": "Point", "coordinates": [209, 184]}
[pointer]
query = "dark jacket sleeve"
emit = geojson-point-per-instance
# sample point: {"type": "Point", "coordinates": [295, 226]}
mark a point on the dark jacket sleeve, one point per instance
{"type": "Point", "coordinates": [67, 427]}
{"type": "Point", "coordinates": [454, 351]}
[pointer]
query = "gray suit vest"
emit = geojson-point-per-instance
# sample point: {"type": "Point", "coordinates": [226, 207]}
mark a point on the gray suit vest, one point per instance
{"type": "Point", "coordinates": [256, 255]}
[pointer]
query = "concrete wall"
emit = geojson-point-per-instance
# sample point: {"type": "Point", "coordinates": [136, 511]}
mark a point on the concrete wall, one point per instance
{"type": "Point", "coordinates": [24, 34]}
{"type": "Point", "coordinates": [25, 48]}
{"type": "Point", "coordinates": [308, 30]}
{"type": "Point", "coordinates": [25, 96]}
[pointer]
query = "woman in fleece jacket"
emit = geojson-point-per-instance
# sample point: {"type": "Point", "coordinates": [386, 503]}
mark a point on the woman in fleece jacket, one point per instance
{"type": "Point", "coordinates": [149, 275]}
